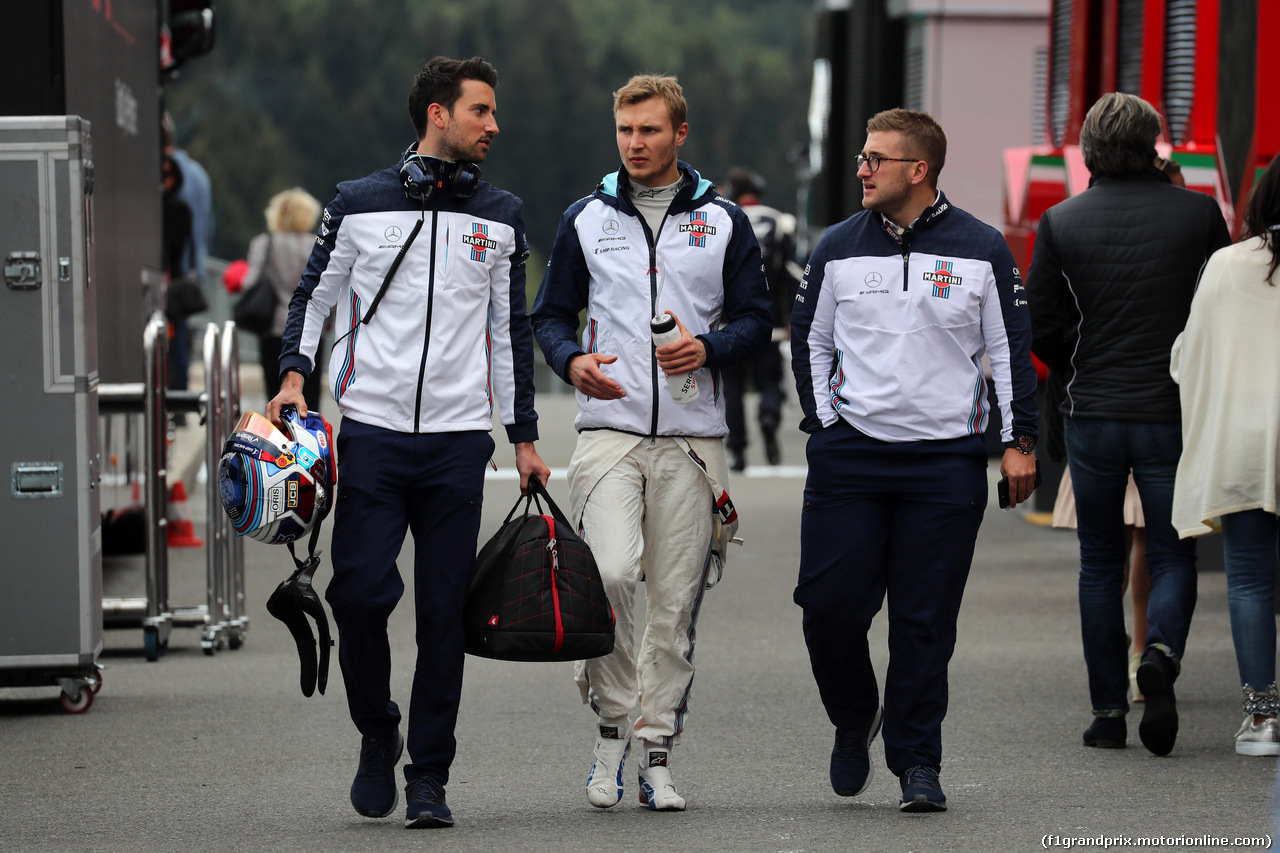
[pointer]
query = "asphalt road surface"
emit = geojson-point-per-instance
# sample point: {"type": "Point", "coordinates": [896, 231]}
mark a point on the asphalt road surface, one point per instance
{"type": "Point", "coordinates": [223, 753]}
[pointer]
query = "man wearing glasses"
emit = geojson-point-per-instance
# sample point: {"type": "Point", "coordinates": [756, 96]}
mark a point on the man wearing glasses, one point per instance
{"type": "Point", "coordinates": [898, 307]}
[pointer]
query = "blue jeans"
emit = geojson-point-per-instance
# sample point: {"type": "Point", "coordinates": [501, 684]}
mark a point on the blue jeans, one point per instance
{"type": "Point", "coordinates": [1101, 454]}
{"type": "Point", "coordinates": [1249, 552]}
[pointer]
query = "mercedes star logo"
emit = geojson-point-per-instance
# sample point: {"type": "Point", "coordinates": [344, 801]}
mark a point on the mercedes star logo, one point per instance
{"type": "Point", "coordinates": [610, 226]}
{"type": "Point", "coordinates": [392, 234]}
{"type": "Point", "coordinates": [873, 278]}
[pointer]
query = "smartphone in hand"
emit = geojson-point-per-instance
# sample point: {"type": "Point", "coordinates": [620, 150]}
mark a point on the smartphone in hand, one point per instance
{"type": "Point", "coordinates": [1002, 487]}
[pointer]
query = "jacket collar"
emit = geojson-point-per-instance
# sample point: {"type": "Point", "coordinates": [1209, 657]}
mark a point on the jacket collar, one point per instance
{"type": "Point", "coordinates": [932, 214]}
{"type": "Point", "coordinates": [614, 190]}
{"type": "Point", "coordinates": [928, 217]}
{"type": "Point", "coordinates": [1151, 173]}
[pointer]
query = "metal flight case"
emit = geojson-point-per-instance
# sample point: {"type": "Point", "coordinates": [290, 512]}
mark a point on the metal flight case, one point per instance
{"type": "Point", "coordinates": [50, 527]}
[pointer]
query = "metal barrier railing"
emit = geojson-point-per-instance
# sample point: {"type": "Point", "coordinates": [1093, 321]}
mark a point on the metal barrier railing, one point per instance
{"type": "Point", "coordinates": [212, 639]}
{"type": "Point", "coordinates": [222, 616]}
{"type": "Point", "coordinates": [232, 550]}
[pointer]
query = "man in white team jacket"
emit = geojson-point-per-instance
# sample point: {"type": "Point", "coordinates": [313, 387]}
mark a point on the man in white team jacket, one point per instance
{"type": "Point", "coordinates": [644, 482]}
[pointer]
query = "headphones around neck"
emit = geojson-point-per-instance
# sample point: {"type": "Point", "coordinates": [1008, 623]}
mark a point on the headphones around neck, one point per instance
{"type": "Point", "coordinates": [423, 175]}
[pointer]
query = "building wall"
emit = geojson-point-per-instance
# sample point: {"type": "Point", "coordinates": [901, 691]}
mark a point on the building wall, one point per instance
{"type": "Point", "coordinates": [977, 75]}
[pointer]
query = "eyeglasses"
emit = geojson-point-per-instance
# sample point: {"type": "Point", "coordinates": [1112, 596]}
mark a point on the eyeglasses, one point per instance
{"type": "Point", "coordinates": [872, 161]}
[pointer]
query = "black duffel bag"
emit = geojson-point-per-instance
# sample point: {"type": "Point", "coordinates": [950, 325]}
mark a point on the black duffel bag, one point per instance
{"type": "Point", "coordinates": [537, 594]}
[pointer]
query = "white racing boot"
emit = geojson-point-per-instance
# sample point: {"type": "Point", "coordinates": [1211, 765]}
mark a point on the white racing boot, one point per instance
{"type": "Point", "coordinates": [657, 790]}
{"type": "Point", "coordinates": [604, 782]}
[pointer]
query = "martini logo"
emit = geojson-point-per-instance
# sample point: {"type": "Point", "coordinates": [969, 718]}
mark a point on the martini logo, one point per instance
{"type": "Point", "coordinates": [479, 241]}
{"type": "Point", "coordinates": [698, 229]}
{"type": "Point", "coordinates": [942, 278]}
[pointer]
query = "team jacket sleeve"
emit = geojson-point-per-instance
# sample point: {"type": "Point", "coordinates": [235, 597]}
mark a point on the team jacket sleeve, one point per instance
{"type": "Point", "coordinates": [813, 316]}
{"type": "Point", "coordinates": [1006, 329]}
{"type": "Point", "coordinates": [511, 354]}
{"type": "Point", "coordinates": [1052, 337]}
{"type": "Point", "coordinates": [746, 320]}
{"type": "Point", "coordinates": [561, 298]}
{"type": "Point", "coordinates": [327, 271]}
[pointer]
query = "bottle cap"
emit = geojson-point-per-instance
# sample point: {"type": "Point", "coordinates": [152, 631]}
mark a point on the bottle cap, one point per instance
{"type": "Point", "coordinates": [662, 323]}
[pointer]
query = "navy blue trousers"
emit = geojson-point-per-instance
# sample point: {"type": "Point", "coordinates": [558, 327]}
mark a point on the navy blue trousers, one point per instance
{"type": "Point", "coordinates": [888, 518]}
{"type": "Point", "coordinates": [430, 484]}
{"type": "Point", "coordinates": [765, 368]}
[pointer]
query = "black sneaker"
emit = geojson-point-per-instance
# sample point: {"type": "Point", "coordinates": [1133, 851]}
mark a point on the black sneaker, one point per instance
{"type": "Point", "coordinates": [427, 808]}
{"type": "Point", "coordinates": [851, 759]}
{"type": "Point", "coordinates": [737, 459]}
{"type": "Point", "coordinates": [374, 792]}
{"type": "Point", "coordinates": [1107, 733]}
{"type": "Point", "coordinates": [1159, 727]}
{"type": "Point", "coordinates": [921, 791]}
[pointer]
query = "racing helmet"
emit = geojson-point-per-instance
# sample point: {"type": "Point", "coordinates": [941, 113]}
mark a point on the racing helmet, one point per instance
{"type": "Point", "coordinates": [276, 487]}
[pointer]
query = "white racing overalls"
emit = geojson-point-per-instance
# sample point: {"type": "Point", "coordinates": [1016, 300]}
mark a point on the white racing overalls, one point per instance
{"type": "Point", "coordinates": [646, 510]}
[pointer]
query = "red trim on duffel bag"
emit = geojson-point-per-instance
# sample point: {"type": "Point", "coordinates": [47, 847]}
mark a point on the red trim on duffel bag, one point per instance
{"type": "Point", "coordinates": [555, 591]}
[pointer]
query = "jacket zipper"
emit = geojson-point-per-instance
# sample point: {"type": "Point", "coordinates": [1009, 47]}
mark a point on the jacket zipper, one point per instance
{"type": "Point", "coordinates": [653, 311]}
{"type": "Point", "coordinates": [426, 343]}
{"type": "Point", "coordinates": [906, 257]}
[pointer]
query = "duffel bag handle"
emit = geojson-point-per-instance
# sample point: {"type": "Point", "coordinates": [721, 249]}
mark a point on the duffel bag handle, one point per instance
{"type": "Point", "coordinates": [537, 491]}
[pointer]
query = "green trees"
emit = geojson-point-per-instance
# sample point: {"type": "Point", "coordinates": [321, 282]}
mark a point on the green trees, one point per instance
{"type": "Point", "coordinates": [311, 92]}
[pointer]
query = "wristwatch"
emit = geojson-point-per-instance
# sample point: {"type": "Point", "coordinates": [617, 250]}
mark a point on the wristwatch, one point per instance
{"type": "Point", "coordinates": [1025, 444]}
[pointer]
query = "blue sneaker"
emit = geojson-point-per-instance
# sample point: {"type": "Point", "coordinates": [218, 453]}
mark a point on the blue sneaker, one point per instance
{"type": "Point", "coordinates": [921, 791]}
{"type": "Point", "coordinates": [851, 759]}
{"type": "Point", "coordinates": [374, 792]}
{"type": "Point", "coordinates": [427, 808]}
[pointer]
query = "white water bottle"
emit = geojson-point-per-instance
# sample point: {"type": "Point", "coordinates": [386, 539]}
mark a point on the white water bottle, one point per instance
{"type": "Point", "coordinates": [683, 386]}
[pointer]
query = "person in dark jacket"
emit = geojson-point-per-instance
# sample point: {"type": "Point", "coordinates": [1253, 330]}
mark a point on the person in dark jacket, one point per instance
{"type": "Point", "coordinates": [1110, 284]}
{"type": "Point", "coordinates": [176, 224]}
{"type": "Point", "coordinates": [776, 233]}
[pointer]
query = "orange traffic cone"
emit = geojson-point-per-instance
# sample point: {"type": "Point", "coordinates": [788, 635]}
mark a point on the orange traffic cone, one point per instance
{"type": "Point", "coordinates": [182, 533]}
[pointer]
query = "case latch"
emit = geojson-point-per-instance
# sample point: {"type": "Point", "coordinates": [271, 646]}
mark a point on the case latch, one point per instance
{"type": "Point", "coordinates": [22, 270]}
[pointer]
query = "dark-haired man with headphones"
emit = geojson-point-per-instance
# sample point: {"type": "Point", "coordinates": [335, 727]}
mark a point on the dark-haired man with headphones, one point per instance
{"type": "Point", "coordinates": [425, 264]}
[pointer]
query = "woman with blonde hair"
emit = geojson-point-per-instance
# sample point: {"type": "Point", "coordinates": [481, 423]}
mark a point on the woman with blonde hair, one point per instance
{"type": "Point", "coordinates": [281, 254]}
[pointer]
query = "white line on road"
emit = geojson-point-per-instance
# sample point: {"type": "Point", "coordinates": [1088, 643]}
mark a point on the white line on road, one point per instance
{"type": "Point", "coordinates": [754, 472]}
